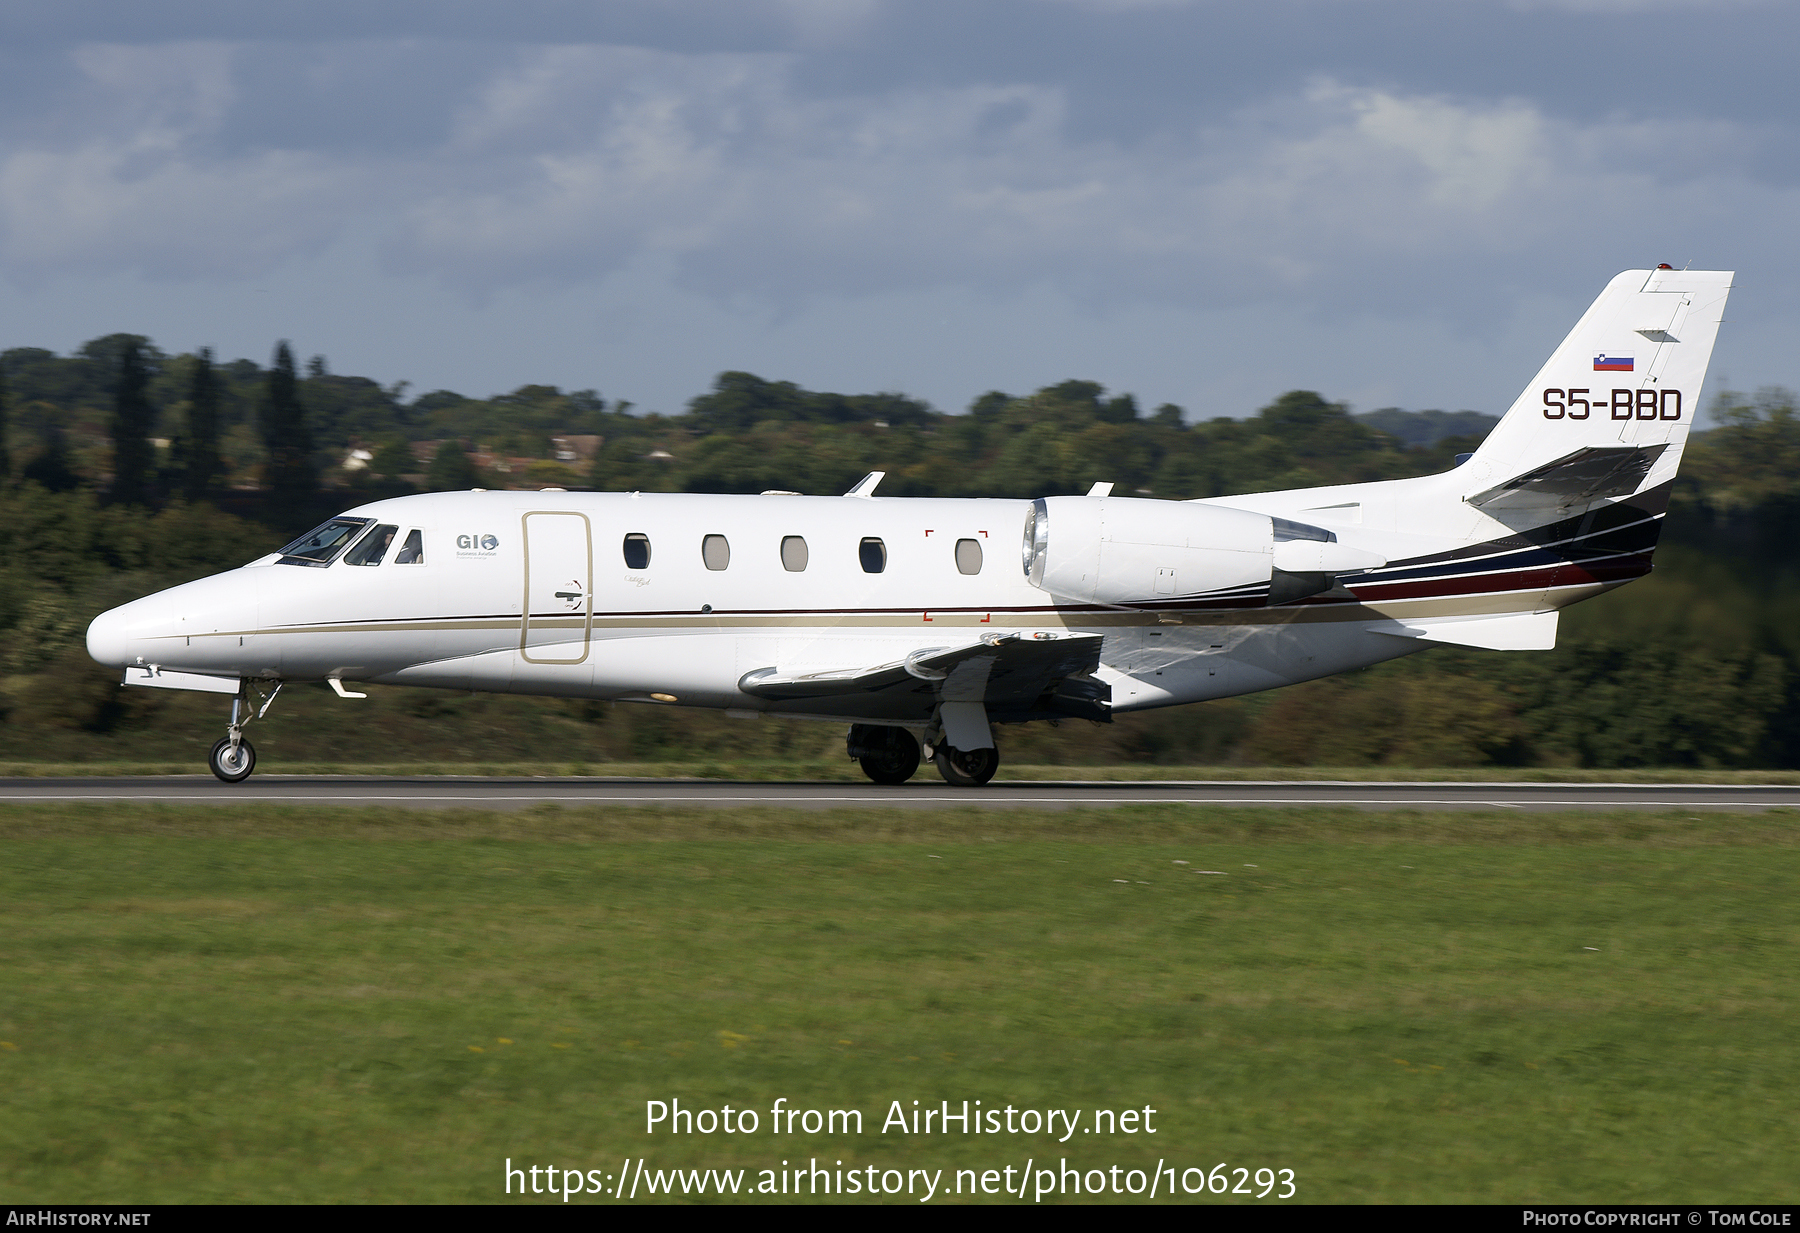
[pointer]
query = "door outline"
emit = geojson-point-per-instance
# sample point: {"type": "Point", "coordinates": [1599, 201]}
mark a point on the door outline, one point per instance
{"type": "Point", "coordinates": [587, 607]}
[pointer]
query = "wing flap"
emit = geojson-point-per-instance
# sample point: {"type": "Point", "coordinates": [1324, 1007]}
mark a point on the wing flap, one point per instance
{"type": "Point", "coordinates": [1517, 631]}
{"type": "Point", "coordinates": [1016, 678]}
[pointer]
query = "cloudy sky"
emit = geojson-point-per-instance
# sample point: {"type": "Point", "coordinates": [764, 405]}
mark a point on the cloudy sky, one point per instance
{"type": "Point", "coordinates": [1394, 202]}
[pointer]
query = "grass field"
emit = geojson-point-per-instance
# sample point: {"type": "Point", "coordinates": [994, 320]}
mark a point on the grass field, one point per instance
{"type": "Point", "coordinates": [320, 1004]}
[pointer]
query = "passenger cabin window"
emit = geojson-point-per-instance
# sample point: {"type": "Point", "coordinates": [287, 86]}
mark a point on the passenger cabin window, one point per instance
{"type": "Point", "coordinates": [372, 548]}
{"type": "Point", "coordinates": [412, 552]}
{"type": "Point", "coordinates": [715, 551]}
{"type": "Point", "coordinates": [793, 553]}
{"type": "Point", "coordinates": [320, 546]}
{"type": "Point", "coordinates": [637, 551]}
{"type": "Point", "coordinates": [873, 555]}
{"type": "Point", "coordinates": [968, 556]}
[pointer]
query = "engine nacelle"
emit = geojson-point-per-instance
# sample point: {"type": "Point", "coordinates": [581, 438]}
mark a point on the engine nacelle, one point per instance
{"type": "Point", "coordinates": [1123, 550]}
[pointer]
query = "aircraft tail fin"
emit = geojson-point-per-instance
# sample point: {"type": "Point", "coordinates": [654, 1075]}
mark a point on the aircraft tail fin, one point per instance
{"type": "Point", "coordinates": [1609, 414]}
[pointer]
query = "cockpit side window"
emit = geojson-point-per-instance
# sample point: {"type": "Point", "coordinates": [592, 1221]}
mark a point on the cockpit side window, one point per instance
{"type": "Point", "coordinates": [320, 546]}
{"type": "Point", "coordinates": [412, 552]}
{"type": "Point", "coordinates": [371, 548]}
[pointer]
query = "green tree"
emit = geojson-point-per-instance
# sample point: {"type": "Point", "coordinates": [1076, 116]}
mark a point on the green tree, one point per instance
{"type": "Point", "coordinates": [341, 410]}
{"type": "Point", "coordinates": [451, 470]}
{"type": "Point", "coordinates": [989, 405]}
{"type": "Point", "coordinates": [292, 479]}
{"type": "Point", "coordinates": [131, 422]}
{"type": "Point", "coordinates": [200, 463]}
{"type": "Point", "coordinates": [51, 468]}
{"type": "Point", "coordinates": [5, 457]}
{"type": "Point", "coordinates": [393, 459]}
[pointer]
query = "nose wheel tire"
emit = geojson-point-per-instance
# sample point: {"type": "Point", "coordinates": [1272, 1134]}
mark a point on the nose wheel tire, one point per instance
{"type": "Point", "coordinates": [233, 766]}
{"type": "Point", "coordinates": [966, 768]}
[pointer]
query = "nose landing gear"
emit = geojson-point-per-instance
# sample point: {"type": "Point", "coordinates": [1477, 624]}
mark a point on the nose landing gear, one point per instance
{"type": "Point", "coordinates": [233, 758]}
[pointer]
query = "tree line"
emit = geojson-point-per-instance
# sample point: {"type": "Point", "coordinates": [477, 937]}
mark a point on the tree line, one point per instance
{"type": "Point", "coordinates": [140, 427]}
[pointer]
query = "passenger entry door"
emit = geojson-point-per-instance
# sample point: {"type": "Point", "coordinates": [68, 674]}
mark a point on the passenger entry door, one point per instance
{"type": "Point", "coordinates": [559, 581]}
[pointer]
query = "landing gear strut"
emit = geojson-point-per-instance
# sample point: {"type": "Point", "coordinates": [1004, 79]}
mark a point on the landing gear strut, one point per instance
{"type": "Point", "coordinates": [888, 755]}
{"type": "Point", "coordinates": [233, 758]}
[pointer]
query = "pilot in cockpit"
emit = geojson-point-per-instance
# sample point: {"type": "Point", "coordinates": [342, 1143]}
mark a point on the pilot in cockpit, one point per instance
{"type": "Point", "coordinates": [373, 546]}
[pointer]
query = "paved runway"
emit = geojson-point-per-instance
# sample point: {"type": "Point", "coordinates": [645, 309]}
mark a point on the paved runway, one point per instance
{"type": "Point", "coordinates": [432, 792]}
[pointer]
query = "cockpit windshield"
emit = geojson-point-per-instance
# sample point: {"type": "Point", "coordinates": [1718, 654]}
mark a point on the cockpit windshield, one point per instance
{"type": "Point", "coordinates": [320, 546]}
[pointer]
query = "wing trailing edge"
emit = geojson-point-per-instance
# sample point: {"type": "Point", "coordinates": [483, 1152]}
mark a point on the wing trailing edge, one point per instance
{"type": "Point", "coordinates": [1513, 631]}
{"type": "Point", "coordinates": [1016, 678]}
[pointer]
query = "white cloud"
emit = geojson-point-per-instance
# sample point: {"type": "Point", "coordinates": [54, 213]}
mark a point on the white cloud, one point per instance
{"type": "Point", "coordinates": [821, 23]}
{"type": "Point", "coordinates": [138, 189]}
{"type": "Point", "coordinates": [753, 187]}
{"type": "Point", "coordinates": [574, 162]}
{"type": "Point", "coordinates": [1640, 6]}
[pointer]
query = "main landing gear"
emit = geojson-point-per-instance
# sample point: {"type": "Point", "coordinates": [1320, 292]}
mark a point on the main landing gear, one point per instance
{"type": "Point", "coordinates": [233, 758]}
{"type": "Point", "coordinates": [890, 755]}
{"type": "Point", "coordinates": [966, 768]}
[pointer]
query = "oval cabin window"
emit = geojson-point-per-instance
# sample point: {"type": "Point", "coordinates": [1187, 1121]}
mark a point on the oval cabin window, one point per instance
{"type": "Point", "coordinates": [793, 553]}
{"type": "Point", "coordinates": [637, 551]}
{"type": "Point", "coordinates": [968, 556]}
{"type": "Point", "coordinates": [715, 551]}
{"type": "Point", "coordinates": [873, 555]}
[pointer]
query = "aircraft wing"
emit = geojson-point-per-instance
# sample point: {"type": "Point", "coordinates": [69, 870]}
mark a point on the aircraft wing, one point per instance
{"type": "Point", "coordinates": [1017, 678]}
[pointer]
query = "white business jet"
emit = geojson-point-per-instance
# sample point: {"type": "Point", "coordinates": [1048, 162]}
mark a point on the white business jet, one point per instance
{"type": "Point", "coordinates": [923, 622]}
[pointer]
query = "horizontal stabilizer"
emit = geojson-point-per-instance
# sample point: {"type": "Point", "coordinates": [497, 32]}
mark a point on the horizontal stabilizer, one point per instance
{"type": "Point", "coordinates": [1514, 631]}
{"type": "Point", "coordinates": [158, 677]}
{"type": "Point", "coordinates": [1589, 474]}
{"type": "Point", "coordinates": [1014, 676]}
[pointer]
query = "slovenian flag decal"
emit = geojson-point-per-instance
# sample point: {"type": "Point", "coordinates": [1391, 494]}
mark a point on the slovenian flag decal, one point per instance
{"type": "Point", "coordinates": [1612, 363]}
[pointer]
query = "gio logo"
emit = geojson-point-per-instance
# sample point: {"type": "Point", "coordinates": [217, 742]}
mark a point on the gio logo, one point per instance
{"type": "Point", "coordinates": [477, 543]}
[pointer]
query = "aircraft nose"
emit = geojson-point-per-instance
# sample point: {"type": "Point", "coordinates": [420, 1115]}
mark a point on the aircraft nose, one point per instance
{"type": "Point", "coordinates": [109, 639]}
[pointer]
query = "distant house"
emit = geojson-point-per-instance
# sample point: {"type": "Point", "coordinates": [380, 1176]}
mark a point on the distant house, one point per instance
{"type": "Point", "coordinates": [576, 447]}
